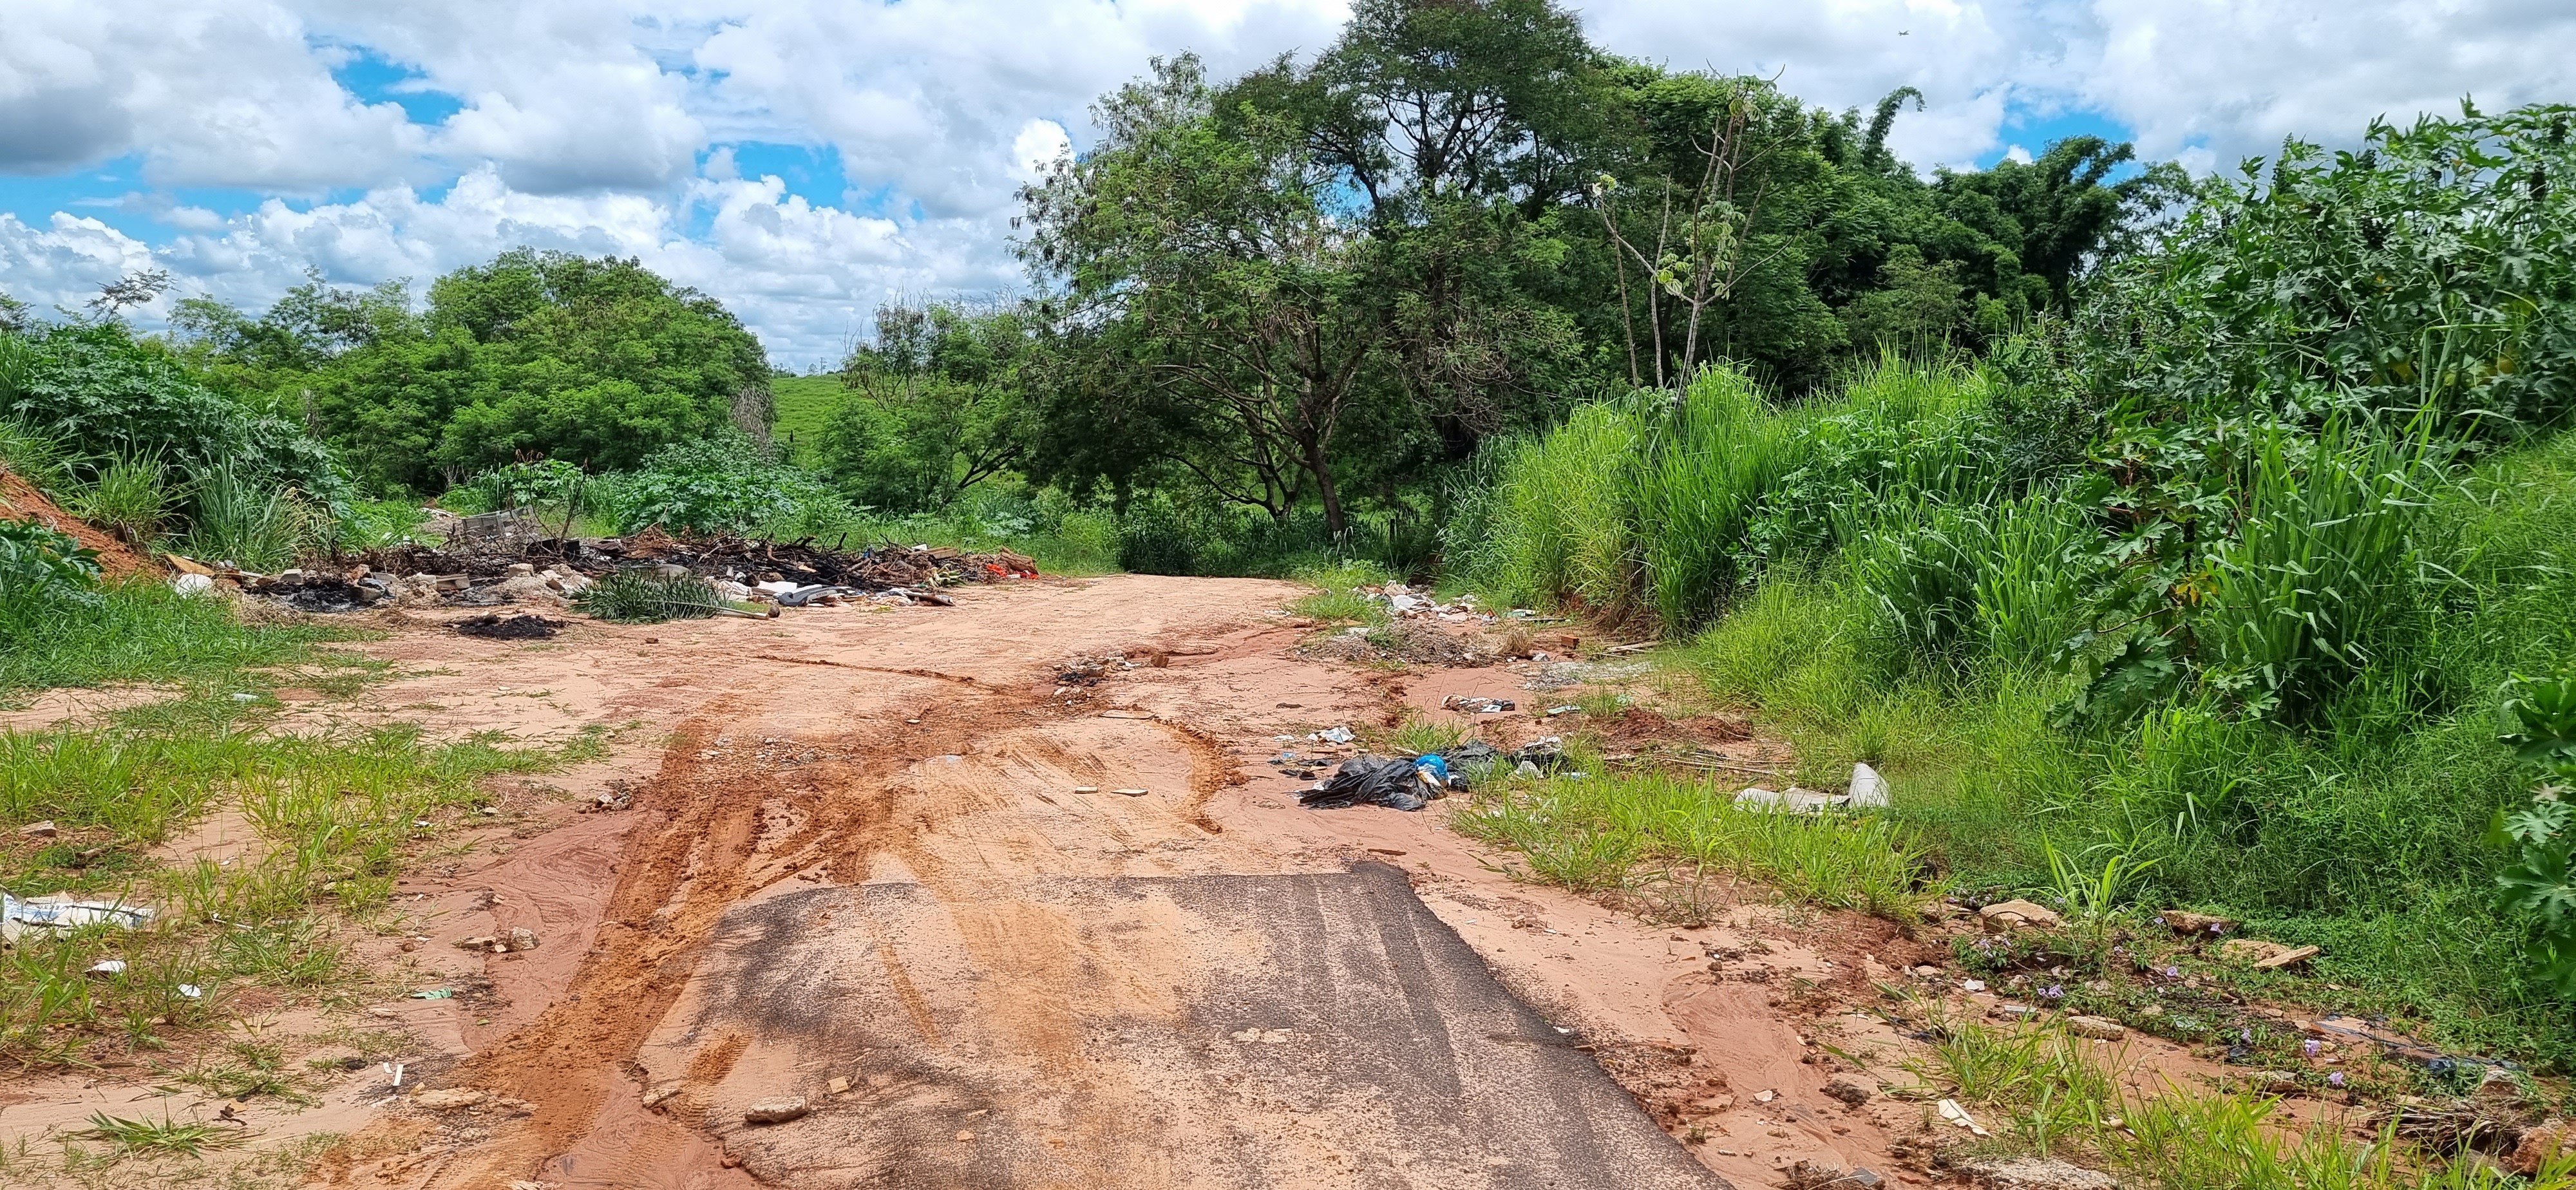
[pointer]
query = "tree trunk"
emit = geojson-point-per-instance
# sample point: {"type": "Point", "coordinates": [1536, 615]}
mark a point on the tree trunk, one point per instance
{"type": "Point", "coordinates": [1334, 522]}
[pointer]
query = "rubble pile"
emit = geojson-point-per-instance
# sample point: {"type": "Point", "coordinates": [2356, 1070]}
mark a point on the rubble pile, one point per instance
{"type": "Point", "coordinates": [503, 567]}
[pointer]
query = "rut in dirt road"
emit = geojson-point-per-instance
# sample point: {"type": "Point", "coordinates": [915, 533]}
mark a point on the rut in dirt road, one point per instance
{"type": "Point", "coordinates": [868, 882]}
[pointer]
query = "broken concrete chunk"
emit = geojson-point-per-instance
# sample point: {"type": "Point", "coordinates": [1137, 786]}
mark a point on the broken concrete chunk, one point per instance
{"type": "Point", "coordinates": [2286, 958]}
{"type": "Point", "coordinates": [2098, 1028]}
{"type": "Point", "coordinates": [522, 938]}
{"type": "Point", "coordinates": [775, 1111]}
{"type": "Point", "coordinates": [2197, 924]}
{"type": "Point", "coordinates": [2265, 956]}
{"type": "Point", "coordinates": [2009, 915]}
{"type": "Point", "coordinates": [1849, 1091]}
{"type": "Point", "coordinates": [40, 830]}
{"type": "Point", "coordinates": [448, 1099]}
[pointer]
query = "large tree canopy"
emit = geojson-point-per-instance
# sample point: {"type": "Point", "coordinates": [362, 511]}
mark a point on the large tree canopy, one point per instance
{"type": "Point", "coordinates": [1460, 218]}
{"type": "Point", "coordinates": [596, 362]}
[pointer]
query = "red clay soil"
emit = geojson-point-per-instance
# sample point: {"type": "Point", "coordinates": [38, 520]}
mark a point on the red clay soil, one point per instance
{"type": "Point", "coordinates": [21, 501]}
{"type": "Point", "coordinates": [990, 927]}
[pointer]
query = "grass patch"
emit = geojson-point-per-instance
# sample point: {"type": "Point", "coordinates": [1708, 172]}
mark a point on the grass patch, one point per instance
{"type": "Point", "coordinates": [1338, 599]}
{"type": "Point", "coordinates": [140, 631]}
{"type": "Point", "coordinates": [1664, 839]}
{"type": "Point", "coordinates": [336, 812]}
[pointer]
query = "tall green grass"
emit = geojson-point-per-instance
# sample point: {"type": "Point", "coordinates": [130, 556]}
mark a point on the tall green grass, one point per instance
{"type": "Point", "coordinates": [2361, 827]}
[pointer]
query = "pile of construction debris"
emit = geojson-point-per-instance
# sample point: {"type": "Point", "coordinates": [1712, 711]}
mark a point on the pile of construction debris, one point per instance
{"type": "Point", "coordinates": [497, 565]}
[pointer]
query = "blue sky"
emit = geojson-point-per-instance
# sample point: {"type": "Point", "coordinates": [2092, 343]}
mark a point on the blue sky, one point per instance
{"type": "Point", "coordinates": [805, 160]}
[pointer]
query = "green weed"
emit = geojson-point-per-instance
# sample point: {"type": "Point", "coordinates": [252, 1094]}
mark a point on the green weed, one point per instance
{"type": "Point", "coordinates": [1339, 600]}
{"type": "Point", "coordinates": [1594, 835]}
{"type": "Point", "coordinates": [169, 1138]}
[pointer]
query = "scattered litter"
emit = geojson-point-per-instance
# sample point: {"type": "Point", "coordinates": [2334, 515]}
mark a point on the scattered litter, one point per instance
{"type": "Point", "coordinates": [108, 967]}
{"type": "Point", "coordinates": [192, 991]}
{"type": "Point", "coordinates": [1868, 792]}
{"type": "Point", "coordinates": [61, 913]}
{"type": "Point", "coordinates": [505, 557]}
{"type": "Point", "coordinates": [1868, 789]}
{"type": "Point", "coordinates": [519, 627]}
{"type": "Point", "coordinates": [1972, 985]}
{"type": "Point", "coordinates": [1765, 1096]}
{"type": "Point", "coordinates": [1951, 1111]}
{"type": "Point", "coordinates": [434, 994]}
{"type": "Point", "coordinates": [238, 697]}
{"type": "Point", "coordinates": [1334, 735]}
{"type": "Point", "coordinates": [1086, 789]}
{"type": "Point", "coordinates": [1129, 792]}
{"type": "Point", "coordinates": [1567, 709]}
{"type": "Point", "coordinates": [1475, 705]}
{"type": "Point", "coordinates": [192, 584]}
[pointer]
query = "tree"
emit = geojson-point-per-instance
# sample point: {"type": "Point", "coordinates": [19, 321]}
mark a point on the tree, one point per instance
{"type": "Point", "coordinates": [1208, 253]}
{"type": "Point", "coordinates": [937, 403]}
{"type": "Point", "coordinates": [597, 362]}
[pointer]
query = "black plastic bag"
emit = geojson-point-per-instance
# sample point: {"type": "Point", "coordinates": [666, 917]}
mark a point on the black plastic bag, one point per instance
{"type": "Point", "coordinates": [1370, 780]}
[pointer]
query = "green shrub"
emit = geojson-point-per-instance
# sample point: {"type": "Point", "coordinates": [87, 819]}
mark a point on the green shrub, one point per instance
{"type": "Point", "coordinates": [721, 484]}
{"type": "Point", "coordinates": [244, 523]}
{"type": "Point", "coordinates": [641, 597]}
{"type": "Point", "coordinates": [42, 573]}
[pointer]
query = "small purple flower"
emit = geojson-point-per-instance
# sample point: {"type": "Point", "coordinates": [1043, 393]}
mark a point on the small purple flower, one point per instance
{"type": "Point", "coordinates": [2173, 972]}
{"type": "Point", "coordinates": [2053, 992]}
{"type": "Point", "coordinates": [2246, 1035]}
{"type": "Point", "coordinates": [2335, 1079]}
{"type": "Point", "coordinates": [2311, 1046]}
{"type": "Point", "coordinates": [2217, 927]}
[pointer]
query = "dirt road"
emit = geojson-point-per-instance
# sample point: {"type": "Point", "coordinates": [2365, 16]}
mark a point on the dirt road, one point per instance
{"type": "Point", "coordinates": [996, 931]}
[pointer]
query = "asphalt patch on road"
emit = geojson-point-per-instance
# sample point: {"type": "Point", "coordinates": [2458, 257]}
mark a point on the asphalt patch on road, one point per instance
{"type": "Point", "coordinates": [1240, 1031]}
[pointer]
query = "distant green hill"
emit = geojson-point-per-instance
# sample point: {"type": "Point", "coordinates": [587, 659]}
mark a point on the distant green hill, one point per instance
{"type": "Point", "coordinates": [804, 403]}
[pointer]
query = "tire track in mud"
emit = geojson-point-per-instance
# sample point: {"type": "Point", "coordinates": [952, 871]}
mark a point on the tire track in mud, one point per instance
{"type": "Point", "coordinates": [676, 881]}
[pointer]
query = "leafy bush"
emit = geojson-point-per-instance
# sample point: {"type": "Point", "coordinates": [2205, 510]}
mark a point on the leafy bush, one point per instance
{"type": "Point", "coordinates": [101, 393]}
{"type": "Point", "coordinates": [518, 485]}
{"type": "Point", "coordinates": [2540, 721]}
{"type": "Point", "coordinates": [41, 571]}
{"type": "Point", "coordinates": [723, 484]}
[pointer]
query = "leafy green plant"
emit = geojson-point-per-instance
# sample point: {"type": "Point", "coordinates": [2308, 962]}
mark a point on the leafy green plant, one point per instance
{"type": "Point", "coordinates": [638, 597]}
{"type": "Point", "coordinates": [41, 571]}
{"type": "Point", "coordinates": [2540, 722]}
{"type": "Point", "coordinates": [720, 484]}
